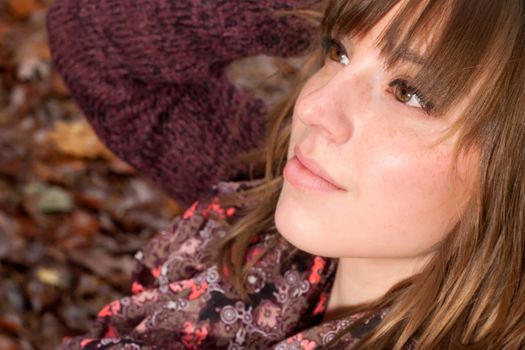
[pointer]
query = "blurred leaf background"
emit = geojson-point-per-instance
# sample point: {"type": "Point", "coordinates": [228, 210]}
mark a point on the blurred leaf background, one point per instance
{"type": "Point", "coordinates": [72, 215]}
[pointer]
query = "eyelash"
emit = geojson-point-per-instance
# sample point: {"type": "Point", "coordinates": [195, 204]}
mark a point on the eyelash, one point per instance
{"type": "Point", "coordinates": [329, 44]}
{"type": "Point", "coordinates": [425, 103]}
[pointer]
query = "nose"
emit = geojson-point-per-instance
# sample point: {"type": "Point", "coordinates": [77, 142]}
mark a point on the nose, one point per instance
{"type": "Point", "coordinates": [330, 105]}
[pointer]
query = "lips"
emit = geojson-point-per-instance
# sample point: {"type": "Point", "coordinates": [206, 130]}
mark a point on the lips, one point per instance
{"type": "Point", "coordinates": [315, 168]}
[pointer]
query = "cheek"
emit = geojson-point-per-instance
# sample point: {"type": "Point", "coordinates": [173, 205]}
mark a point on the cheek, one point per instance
{"type": "Point", "coordinates": [389, 170]}
{"type": "Point", "coordinates": [411, 189]}
{"type": "Point", "coordinates": [406, 198]}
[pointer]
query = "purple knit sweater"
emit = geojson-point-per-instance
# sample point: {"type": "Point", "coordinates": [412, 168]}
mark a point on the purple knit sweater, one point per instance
{"type": "Point", "coordinates": [149, 77]}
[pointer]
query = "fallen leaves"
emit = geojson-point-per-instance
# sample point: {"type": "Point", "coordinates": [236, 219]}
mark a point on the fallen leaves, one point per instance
{"type": "Point", "coordinates": [21, 9]}
{"type": "Point", "coordinates": [72, 214]}
{"type": "Point", "coordinates": [77, 139]}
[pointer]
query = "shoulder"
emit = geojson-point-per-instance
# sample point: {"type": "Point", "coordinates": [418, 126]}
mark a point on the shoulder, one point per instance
{"type": "Point", "coordinates": [184, 247]}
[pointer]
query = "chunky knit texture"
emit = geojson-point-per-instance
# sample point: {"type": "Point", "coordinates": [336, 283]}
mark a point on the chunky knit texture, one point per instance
{"type": "Point", "coordinates": [149, 77]}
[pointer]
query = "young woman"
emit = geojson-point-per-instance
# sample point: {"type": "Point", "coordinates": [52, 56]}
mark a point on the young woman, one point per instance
{"type": "Point", "coordinates": [383, 206]}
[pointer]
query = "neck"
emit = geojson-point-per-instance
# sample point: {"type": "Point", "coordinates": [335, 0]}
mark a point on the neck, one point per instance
{"type": "Point", "coordinates": [362, 280]}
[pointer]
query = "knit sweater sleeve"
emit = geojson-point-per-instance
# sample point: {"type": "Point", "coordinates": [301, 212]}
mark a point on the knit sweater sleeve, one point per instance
{"type": "Point", "coordinates": [149, 77]}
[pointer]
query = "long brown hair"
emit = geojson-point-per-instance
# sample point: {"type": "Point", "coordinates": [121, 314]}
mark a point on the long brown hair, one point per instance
{"type": "Point", "coordinates": [471, 295]}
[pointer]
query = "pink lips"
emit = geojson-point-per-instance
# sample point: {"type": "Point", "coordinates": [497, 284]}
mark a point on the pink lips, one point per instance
{"type": "Point", "coordinates": [307, 174]}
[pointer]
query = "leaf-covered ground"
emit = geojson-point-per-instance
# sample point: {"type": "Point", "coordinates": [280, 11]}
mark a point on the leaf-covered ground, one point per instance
{"type": "Point", "coordinates": [71, 214]}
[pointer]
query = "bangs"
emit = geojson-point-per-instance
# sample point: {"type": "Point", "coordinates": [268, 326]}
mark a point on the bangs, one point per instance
{"type": "Point", "coordinates": [462, 42]}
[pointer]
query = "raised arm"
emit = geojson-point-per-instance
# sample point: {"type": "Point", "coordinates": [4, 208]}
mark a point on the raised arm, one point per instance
{"type": "Point", "coordinates": [149, 77]}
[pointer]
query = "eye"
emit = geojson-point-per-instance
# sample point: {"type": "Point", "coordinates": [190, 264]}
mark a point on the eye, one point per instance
{"type": "Point", "coordinates": [335, 51]}
{"type": "Point", "coordinates": [409, 95]}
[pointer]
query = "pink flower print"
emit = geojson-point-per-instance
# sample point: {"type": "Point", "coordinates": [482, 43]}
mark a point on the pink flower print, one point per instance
{"type": "Point", "coordinates": [189, 212]}
{"type": "Point", "coordinates": [302, 341]}
{"type": "Point", "coordinates": [197, 289]}
{"type": "Point", "coordinates": [308, 344]}
{"type": "Point", "coordinates": [155, 272]}
{"type": "Point", "coordinates": [319, 264]}
{"type": "Point", "coordinates": [145, 297]}
{"type": "Point", "coordinates": [215, 207]}
{"type": "Point", "coordinates": [321, 305]}
{"type": "Point", "coordinates": [137, 288]}
{"type": "Point", "coordinates": [110, 309]}
{"type": "Point", "coordinates": [180, 285]}
{"type": "Point", "coordinates": [86, 342]}
{"type": "Point", "coordinates": [267, 314]}
{"type": "Point", "coordinates": [193, 337]}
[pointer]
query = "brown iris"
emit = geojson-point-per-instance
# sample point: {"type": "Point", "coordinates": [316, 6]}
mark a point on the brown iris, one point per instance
{"type": "Point", "coordinates": [334, 50]}
{"type": "Point", "coordinates": [403, 93]}
{"type": "Point", "coordinates": [335, 53]}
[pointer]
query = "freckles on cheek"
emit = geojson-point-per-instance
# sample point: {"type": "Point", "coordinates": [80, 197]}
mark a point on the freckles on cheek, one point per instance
{"type": "Point", "coordinates": [409, 175]}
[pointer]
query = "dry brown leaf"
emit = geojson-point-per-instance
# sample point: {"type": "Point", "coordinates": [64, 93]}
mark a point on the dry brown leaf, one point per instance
{"type": "Point", "coordinates": [21, 9]}
{"type": "Point", "coordinates": [83, 223]}
{"type": "Point", "coordinates": [120, 167]}
{"type": "Point", "coordinates": [32, 57]}
{"type": "Point", "coordinates": [77, 139]}
{"type": "Point", "coordinates": [57, 84]}
{"type": "Point", "coordinates": [112, 268]}
{"type": "Point", "coordinates": [48, 276]}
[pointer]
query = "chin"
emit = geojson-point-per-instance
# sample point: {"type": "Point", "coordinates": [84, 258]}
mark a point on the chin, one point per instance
{"type": "Point", "coordinates": [298, 226]}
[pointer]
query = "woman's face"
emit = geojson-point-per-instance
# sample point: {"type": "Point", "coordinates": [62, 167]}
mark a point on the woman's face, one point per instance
{"type": "Point", "coordinates": [373, 137]}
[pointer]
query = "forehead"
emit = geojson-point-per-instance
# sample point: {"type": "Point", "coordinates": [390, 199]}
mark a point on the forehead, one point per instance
{"type": "Point", "coordinates": [403, 30]}
{"type": "Point", "coordinates": [448, 50]}
{"type": "Point", "coordinates": [380, 32]}
{"type": "Point", "coordinates": [410, 59]}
